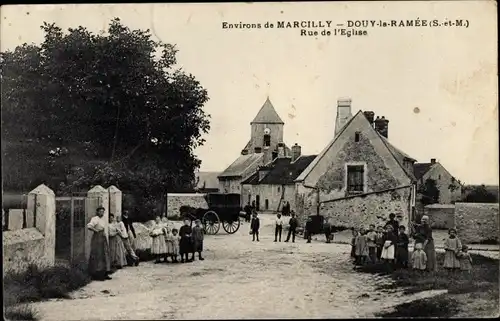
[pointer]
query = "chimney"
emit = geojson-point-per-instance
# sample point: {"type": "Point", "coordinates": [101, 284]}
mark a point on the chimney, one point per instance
{"type": "Point", "coordinates": [343, 113]}
{"type": "Point", "coordinates": [281, 150]}
{"type": "Point", "coordinates": [433, 161]}
{"type": "Point", "coordinates": [370, 115]}
{"type": "Point", "coordinates": [382, 126]}
{"type": "Point", "coordinates": [258, 150]}
{"type": "Point", "coordinates": [296, 152]}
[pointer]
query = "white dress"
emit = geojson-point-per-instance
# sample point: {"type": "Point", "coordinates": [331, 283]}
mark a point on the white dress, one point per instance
{"type": "Point", "coordinates": [387, 253]}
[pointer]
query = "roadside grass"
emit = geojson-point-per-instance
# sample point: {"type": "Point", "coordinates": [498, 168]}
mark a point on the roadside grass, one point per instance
{"type": "Point", "coordinates": [38, 284]}
{"type": "Point", "coordinates": [471, 295]}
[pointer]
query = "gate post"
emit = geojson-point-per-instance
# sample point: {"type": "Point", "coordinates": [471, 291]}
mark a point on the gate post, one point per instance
{"type": "Point", "coordinates": [115, 200]}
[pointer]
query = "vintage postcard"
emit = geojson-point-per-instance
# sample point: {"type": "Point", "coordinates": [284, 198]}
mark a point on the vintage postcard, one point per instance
{"type": "Point", "coordinates": [289, 160]}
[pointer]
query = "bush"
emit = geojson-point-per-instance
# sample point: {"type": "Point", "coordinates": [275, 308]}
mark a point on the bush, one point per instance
{"type": "Point", "coordinates": [20, 312]}
{"type": "Point", "coordinates": [37, 283]}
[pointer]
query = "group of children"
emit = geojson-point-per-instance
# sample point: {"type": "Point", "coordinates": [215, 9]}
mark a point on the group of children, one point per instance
{"type": "Point", "coordinates": [390, 247]}
{"type": "Point", "coordinates": [170, 243]}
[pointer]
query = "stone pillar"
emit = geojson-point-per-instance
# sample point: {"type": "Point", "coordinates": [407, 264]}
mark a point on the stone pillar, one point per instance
{"type": "Point", "coordinates": [42, 203]}
{"type": "Point", "coordinates": [115, 200]}
{"type": "Point", "coordinates": [97, 196]}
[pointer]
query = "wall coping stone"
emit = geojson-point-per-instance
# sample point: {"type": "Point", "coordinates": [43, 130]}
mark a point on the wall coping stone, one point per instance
{"type": "Point", "coordinates": [42, 189]}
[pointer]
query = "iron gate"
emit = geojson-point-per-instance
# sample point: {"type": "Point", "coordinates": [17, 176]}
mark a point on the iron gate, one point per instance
{"type": "Point", "coordinates": [71, 231]}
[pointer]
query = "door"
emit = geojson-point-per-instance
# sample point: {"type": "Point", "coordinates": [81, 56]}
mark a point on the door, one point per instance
{"type": "Point", "coordinates": [257, 202]}
{"type": "Point", "coordinates": [267, 204]}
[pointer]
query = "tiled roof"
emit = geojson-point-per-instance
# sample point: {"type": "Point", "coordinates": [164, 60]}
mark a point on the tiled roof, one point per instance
{"type": "Point", "coordinates": [207, 180]}
{"type": "Point", "coordinates": [238, 167]}
{"type": "Point", "coordinates": [283, 171]}
{"type": "Point", "coordinates": [399, 155]}
{"type": "Point", "coordinates": [267, 114]}
{"type": "Point", "coordinates": [419, 169]}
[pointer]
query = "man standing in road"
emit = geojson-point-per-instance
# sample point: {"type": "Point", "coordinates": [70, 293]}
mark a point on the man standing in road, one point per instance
{"type": "Point", "coordinates": [293, 227]}
{"type": "Point", "coordinates": [279, 228]}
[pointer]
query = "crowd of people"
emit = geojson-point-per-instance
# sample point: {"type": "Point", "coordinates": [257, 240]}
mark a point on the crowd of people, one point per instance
{"type": "Point", "coordinates": [389, 245]}
{"type": "Point", "coordinates": [115, 251]}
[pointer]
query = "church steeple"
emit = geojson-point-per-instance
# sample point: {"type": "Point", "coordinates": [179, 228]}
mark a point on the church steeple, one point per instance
{"type": "Point", "coordinates": [267, 114]}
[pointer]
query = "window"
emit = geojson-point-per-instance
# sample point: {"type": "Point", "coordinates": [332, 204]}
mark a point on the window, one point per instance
{"type": "Point", "coordinates": [355, 178]}
{"type": "Point", "coordinates": [279, 189]}
{"type": "Point", "coordinates": [267, 204]}
{"type": "Point", "coordinates": [267, 140]}
{"type": "Point", "coordinates": [439, 177]}
{"type": "Point", "coordinates": [356, 136]}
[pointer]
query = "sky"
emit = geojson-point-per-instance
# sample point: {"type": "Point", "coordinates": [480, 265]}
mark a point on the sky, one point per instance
{"type": "Point", "coordinates": [437, 86]}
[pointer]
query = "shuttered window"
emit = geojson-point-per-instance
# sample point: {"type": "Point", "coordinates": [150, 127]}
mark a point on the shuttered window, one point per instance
{"type": "Point", "coordinates": [355, 178]}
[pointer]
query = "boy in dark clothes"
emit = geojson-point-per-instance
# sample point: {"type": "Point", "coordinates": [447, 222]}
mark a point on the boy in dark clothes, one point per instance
{"type": "Point", "coordinates": [308, 229]}
{"type": "Point", "coordinates": [402, 248]}
{"type": "Point", "coordinates": [254, 227]}
{"type": "Point", "coordinates": [293, 227]}
{"type": "Point", "coordinates": [185, 243]}
{"type": "Point", "coordinates": [379, 241]}
{"type": "Point", "coordinates": [248, 212]}
{"type": "Point", "coordinates": [392, 221]}
{"type": "Point", "coordinates": [327, 228]}
{"type": "Point", "coordinates": [198, 239]}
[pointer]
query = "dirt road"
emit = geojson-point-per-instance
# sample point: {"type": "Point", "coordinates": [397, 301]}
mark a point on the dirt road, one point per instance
{"type": "Point", "coordinates": [238, 279]}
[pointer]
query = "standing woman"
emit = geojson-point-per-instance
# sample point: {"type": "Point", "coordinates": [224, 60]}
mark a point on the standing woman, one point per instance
{"type": "Point", "coordinates": [424, 236]}
{"type": "Point", "coordinates": [99, 261]}
{"type": "Point", "coordinates": [116, 248]}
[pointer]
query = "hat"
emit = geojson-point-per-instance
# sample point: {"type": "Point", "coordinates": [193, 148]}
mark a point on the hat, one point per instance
{"type": "Point", "coordinates": [100, 208]}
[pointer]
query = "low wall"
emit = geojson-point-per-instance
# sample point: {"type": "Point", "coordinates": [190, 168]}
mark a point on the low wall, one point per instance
{"type": "Point", "coordinates": [369, 209]}
{"type": "Point", "coordinates": [175, 201]}
{"type": "Point", "coordinates": [442, 216]}
{"type": "Point", "coordinates": [21, 248]}
{"type": "Point", "coordinates": [477, 222]}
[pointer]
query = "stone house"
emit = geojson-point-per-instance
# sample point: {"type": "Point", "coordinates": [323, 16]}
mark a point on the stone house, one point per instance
{"type": "Point", "coordinates": [272, 185]}
{"type": "Point", "coordinates": [450, 189]}
{"type": "Point", "coordinates": [360, 177]}
{"type": "Point", "coordinates": [266, 142]}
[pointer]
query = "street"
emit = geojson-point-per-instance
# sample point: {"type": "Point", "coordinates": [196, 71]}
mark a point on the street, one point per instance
{"type": "Point", "coordinates": [238, 279]}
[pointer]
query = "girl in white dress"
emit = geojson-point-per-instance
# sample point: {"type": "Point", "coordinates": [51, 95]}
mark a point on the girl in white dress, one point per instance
{"type": "Point", "coordinates": [158, 246]}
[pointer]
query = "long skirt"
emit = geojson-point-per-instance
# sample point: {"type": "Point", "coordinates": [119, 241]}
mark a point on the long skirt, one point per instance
{"type": "Point", "coordinates": [117, 252]}
{"type": "Point", "coordinates": [99, 260]}
{"type": "Point", "coordinates": [175, 248]}
{"type": "Point", "coordinates": [430, 251]}
{"type": "Point", "coordinates": [197, 245]}
{"type": "Point", "coordinates": [158, 245]}
{"type": "Point", "coordinates": [387, 253]}
{"type": "Point", "coordinates": [185, 245]}
{"type": "Point", "coordinates": [170, 247]}
{"type": "Point", "coordinates": [451, 261]}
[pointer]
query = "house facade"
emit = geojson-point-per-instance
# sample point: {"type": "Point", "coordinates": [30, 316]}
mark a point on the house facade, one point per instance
{"type": "Point", "coordinates": [450, 189]}
{"type": "Point", "coordinates": [359, 178]}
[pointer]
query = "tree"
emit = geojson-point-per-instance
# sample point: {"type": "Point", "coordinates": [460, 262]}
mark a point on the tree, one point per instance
{"type": "Point", "coordinates": [479, 194]}
{"type": "Point", "coordinates": [112, 106]}
{"type": "Point", "coordinates": [429, 192]}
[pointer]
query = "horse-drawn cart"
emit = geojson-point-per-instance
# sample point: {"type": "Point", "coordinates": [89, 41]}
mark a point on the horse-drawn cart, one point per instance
{"type": "Point", "coordinates": [222, 209]}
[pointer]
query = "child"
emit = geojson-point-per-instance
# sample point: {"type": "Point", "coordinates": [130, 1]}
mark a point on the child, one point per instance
{"type": "Point", "coordinates": [465, 260]}
{"type": "Point", "coordinates": [175, 245]}
{"type": "Point", "coordinates": [185, 243]}
{"type": "Point", "coordinates": [379, 241]}
{"type": "Point", "coordinates": [361, 247]}
{"type": "Point", "coordinates": [198, 239]}
{"type": "Point", "coordinates": [169, 243]}
{"type": "Point", "coordinates": [308, 229]}
{"type": "Point", "coordinates": [452, 247]}
{"type": "Point", "coordinates": [402, 248]}
{"type": "Point", "coordinates": [388, 250]}
{"type": "Point", "coordinates": [419, 258]}
{"type": "Point", "coordinates": [278, 228]}
{"type": "Point", "coordinates": [371, 237]}
{"type": "Point", "coordinates": [254, 226]}
{"type": "Point", "coordinates": [293, 227]}
{"type": "Point", "coordinates": [158, 246]}
{"type": "Point", "coordinates": [354, 234]}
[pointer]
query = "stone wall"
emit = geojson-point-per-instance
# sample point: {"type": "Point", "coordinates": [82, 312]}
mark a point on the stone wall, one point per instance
{"type": "Point", "coordinates": [21, 248]}
{"type": "Point", "coordinates": [175, 201]}
{"type": "Point", "coordinates": [35, 244]}
{"type": "Point", "coordinates": [362, 211]}
{"type": "Point", "coordinates": [442, 216]}
{"type": "Point", "coordinates": [477, 222]}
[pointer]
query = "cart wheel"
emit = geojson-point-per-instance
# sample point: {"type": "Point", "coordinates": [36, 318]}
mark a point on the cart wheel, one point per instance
{"type": "Point", "coordinates": [211, 223]}
{"type": "Point", "coordinates": [231, 227]}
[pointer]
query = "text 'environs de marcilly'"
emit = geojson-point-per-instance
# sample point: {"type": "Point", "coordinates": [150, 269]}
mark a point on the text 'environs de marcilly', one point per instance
{"type": "Point", "coordinates": [280, 24]}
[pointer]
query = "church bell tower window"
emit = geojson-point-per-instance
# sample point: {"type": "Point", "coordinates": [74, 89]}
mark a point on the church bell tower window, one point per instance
{"type": "Point", "coordinates": [267, 137]}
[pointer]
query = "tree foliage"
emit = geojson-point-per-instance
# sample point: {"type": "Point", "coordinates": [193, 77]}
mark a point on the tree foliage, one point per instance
{"type": "Point", "coordinates": [429, 192]}
{"type": "Point", "coordinates": [480, 194]}
{"type": "Point", "coordinates": [100, 109]}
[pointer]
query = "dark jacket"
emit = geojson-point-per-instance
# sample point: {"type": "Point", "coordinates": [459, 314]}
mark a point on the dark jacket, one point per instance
{"type": "Point", "coordinates": [128, 225]}
{"type": "Point", "coordinates": [403, 240]}
{"type": "Point", "coordinates": [390, 236]}
{"type": "Point", "coordinates": [293, 223]}
{"type": "Point", "coordinates": [255, 224]}
{"type": "Point", "coordinates": [309, 226]}
{"type": "Point", "coordinates": [394, 224]}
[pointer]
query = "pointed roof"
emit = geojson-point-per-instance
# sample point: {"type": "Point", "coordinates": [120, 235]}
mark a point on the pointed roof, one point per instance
{"type": "Point", "coordinates": [267, 115]}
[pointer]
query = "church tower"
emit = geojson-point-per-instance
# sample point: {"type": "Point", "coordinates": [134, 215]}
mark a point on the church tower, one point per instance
{"type": "Point", "coordinates": [266, 133]}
